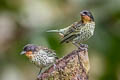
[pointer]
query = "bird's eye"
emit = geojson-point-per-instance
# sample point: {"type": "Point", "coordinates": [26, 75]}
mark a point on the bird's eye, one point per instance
{"type": "Point", "coordinates": [85, 12]}
{"type": "Point", "coordinates": [25, 49]}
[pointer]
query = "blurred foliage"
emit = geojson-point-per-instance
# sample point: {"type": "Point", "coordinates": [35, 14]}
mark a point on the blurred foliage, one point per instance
{"type": "Point", "coordinates": [26, 21]}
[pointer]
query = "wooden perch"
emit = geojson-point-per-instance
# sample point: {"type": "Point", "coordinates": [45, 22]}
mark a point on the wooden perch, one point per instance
{"type": "Point", "coordinates": [74, 66]}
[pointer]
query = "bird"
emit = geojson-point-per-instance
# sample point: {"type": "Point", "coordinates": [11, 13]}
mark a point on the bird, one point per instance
{"type": "Point", "coordinates": [79, 31]}
{"type": "Point", "coordinates": [41, 56]}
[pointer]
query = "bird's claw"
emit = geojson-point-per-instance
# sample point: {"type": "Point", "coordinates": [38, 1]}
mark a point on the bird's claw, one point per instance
{"type": "Point", "coordinates": [82, 49]}
{"type": "Point", "coordinates": [83, 45]}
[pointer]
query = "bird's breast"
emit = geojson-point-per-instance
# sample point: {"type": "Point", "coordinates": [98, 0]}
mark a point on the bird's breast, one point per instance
{"type": "Point", "coordinates": [41, 58]}
{"type": "Point", "coordinates": [85, 33]}
{"type": "Point", "coordinates": [89, 27]}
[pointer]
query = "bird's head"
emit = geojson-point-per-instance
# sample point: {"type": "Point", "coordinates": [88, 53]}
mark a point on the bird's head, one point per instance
{"type": "Point", "coordinates": [29, 50]}
{"type": "Point", "coordinates": [86, 16]}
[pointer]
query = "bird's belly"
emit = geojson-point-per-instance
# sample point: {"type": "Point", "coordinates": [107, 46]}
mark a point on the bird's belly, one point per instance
{"type": "Point", "coordinates": [84, 35]}
{"type": "Point", "coordinates": [42, 60]}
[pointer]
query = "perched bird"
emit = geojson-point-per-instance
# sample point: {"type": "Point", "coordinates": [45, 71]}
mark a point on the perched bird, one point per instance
{"type": "Point", "coordinates": [42, 57]}
{"type": "Point", "coordinates": [79, 31]}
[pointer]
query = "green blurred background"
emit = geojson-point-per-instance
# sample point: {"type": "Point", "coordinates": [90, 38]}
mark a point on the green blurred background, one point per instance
{"type": "Point", "coordinates": [26, 21]}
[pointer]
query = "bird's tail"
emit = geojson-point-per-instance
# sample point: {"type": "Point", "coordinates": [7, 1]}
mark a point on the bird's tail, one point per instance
{"type": "Point", "coordinates": [54, 31]}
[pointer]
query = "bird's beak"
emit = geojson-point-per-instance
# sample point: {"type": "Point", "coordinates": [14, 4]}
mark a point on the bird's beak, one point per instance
{"type": "Point", "coordinates": [23, 52]}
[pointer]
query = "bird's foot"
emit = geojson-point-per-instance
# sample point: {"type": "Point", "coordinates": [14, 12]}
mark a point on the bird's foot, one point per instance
{"type": "Point", "coordinates": [84, 45]}
{"type": "Point", "coordinates": [81, 47]}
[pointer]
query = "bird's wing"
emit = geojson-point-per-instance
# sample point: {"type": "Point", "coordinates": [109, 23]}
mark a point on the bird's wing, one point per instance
{"type": "Point", "coordinates": [73, 28]}
{"type": "Point", "coordinates": [72, 32]}
{"type": "Point", "coordinates": [69, 37]}
{"type": "Point", "coordinates": [50, 52]}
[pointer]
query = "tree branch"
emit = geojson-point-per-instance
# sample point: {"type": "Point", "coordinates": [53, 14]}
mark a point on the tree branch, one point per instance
{"type": "Point", "coordinates": [74, 66]}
